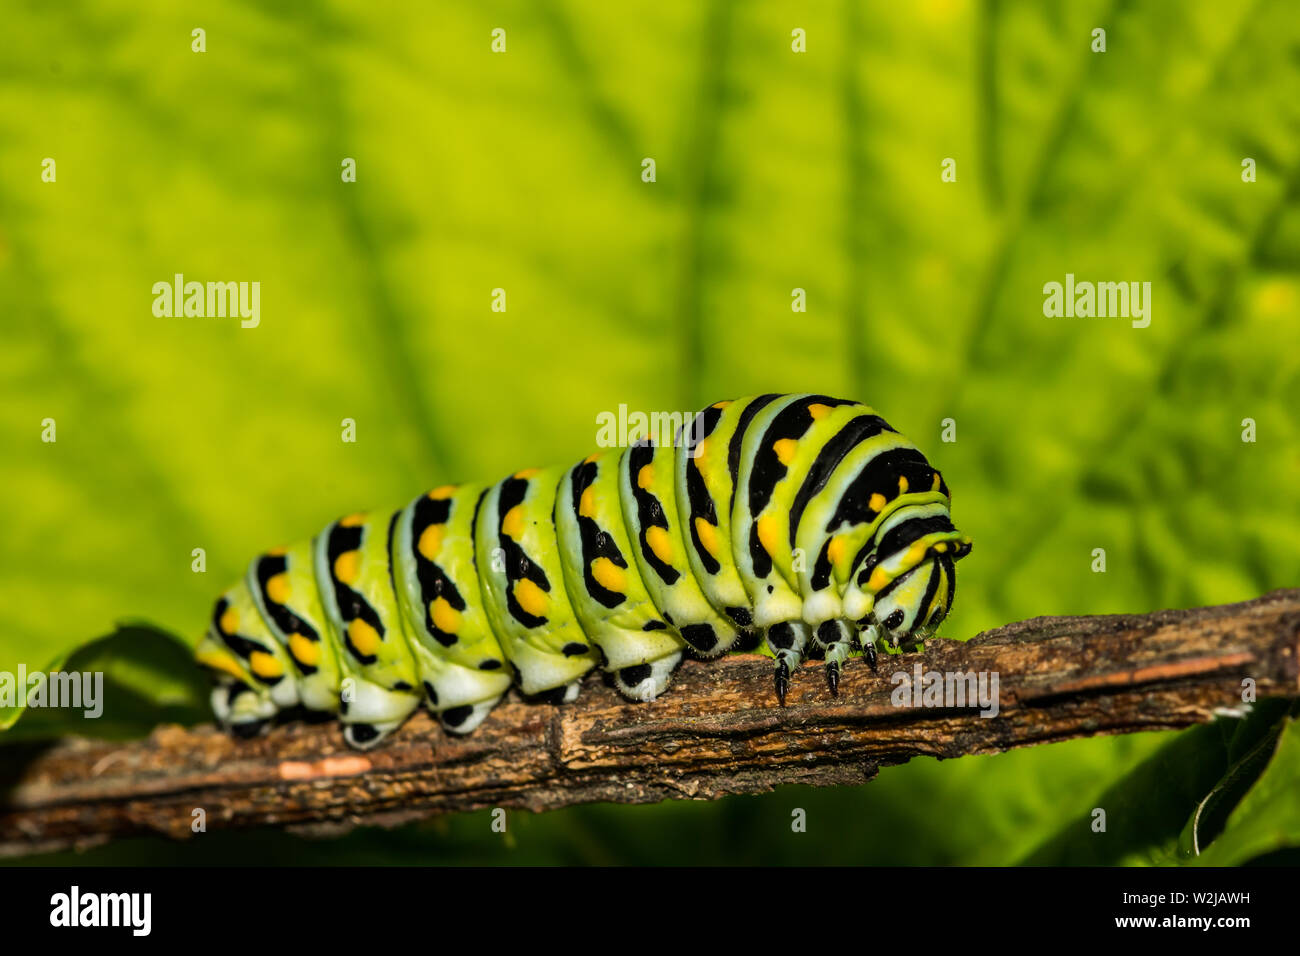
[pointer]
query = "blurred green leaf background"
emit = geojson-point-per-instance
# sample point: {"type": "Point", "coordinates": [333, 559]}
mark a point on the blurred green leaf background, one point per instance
{"type": "Point", "coordinates": [776, 170]}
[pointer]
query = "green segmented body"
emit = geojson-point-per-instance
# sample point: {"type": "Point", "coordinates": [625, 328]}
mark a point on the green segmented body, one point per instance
{"type": "Point", "coordinates": [793, 524]}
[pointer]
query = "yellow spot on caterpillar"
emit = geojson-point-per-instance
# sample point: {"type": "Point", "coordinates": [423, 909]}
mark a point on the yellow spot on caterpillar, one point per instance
{"type": "Point", "coordinates": [835, 550]}
{"type": "Point", "coordinates": [915, 553]}
{"type": "Point", "coordinates": [276, 553]}
{"type": "Point", "coordinates": [431, 541]}
{"type": "Point", "coordinates": [531, 598]}
{"type": "Point", "coordinates": [660, 543]}
{"type": "Point", "coordinates": [513, 523]}
{"type": "Point", "coordinates": [277, 588]}
{"type": "Point", "coordinates": [708, 535]}
{"type": "Point", "coordinates": [723, 404]}
{"type": "Point", "coordinates": [364, 638]}
{"type": "Point", "coordinates": [879, 578]}
{"type": "Point", "coordinates": [819, 411]}
{"type": "Point", "coordinates": [877, 502]}
{"type": "Point", "coordinates": [769, 533]}
{"type": "Point", "coordinates": [587, 503]}
{"type": "Point", "coordinates": [445, 617]}
{"type": "Point", "coordinates": [645, 478]}
{"type": "Point", "coordinates": [353, 520]}
{"type": "Point", "coordinates": [229, 622]}
{"type": "Point", "coordinates": [264, 665]}
{"type": "Point", "coordinates": [220, 661]}
{"type": "Point", "coordinates": [347, 566]}
{"type": "Point", "coordinates": [902, 484]}
{"type": "Point", "coordinates": [609, 575]}
{"type": "Point", "coordinates": [701, 448]}
{"type": "Point", "coordinates": [304, 650]}
{"type": "Point", "coordinates": [442, 492]}
{"type": "Point", "coordinates": [527, 473]}
{"type": "Point", "coordinates": [784, 450]}
{"type": "Point", "coordinates": [590, 458]}
{"type": "Point", "coordinates": [941, 547]}
{"type": "Point", "coordinates": [935, 486]}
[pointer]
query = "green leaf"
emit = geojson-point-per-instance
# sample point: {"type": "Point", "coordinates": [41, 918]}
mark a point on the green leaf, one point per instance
{"type": "Point", "coordinates": [1249, 752]}
{"type": "Point", "coordinates": [1268, 818]}
{"type": "Point", "coordinates": [126, 683]}
{"type": "Point", "coordinates": [1144, 809]}
{"type": "Point", "coordinates": [15, 687]}
{"type": "Point", "coordinates": [1149, 808]}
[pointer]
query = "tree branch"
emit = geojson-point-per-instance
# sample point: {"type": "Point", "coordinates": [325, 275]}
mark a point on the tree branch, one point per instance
{"type": "Point", "coordinates": [717, 731]}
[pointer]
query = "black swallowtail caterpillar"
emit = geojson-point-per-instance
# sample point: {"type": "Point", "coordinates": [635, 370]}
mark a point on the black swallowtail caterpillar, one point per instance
{"type": "Point", "coordinates": [794, 525]}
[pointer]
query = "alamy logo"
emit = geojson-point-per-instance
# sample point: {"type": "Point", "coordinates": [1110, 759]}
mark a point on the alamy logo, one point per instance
{"type": "Point", "coordinates": [947, 689]}
{"type": "Point", "coordinates": [1126, 300]}
{"type": "Point", "coordinates": [662, 428]}
{"type": "Point", "coordinates": [75, 908]}
{"type": "Point", "coordinates": [214, 300]}
{"type": "Point", "coordinates": [81, 690]}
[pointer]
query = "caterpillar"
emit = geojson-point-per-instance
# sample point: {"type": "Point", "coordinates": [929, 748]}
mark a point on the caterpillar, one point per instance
{"type": "Point", "coordinates": [792, 525]}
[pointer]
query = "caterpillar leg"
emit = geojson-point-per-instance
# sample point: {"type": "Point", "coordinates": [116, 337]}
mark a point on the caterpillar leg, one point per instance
{"type": "Point", "coordinates": [645, 682]}
{"type": "Point", "coordinates": [466, 717]}
{"type": "Point", "coordinates": [564, 694]}
{"type": "Point", "coordinates": [240, 709]}
{"type": "Point", "coordinates": [788, 642]}
{"type": "Point", "coordinates": [370, 713]}
{"type": "Point", "coordinates": [867, 637]}
{"type": "Point", "coordinates": [459, 697]}
{"type": "Point", "coordinates": [836, 640]}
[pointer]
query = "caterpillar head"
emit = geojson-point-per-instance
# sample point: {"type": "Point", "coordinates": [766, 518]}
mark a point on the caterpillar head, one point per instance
{"type": "Point", "coordinates": [912, 604]}
{"type": "Point", "coordinates": [916, 602]}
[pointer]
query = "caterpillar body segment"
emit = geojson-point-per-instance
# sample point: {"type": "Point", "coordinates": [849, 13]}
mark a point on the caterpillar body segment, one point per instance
{"type": "Point", "coordinates": [774, 458]}
{"type": "Point", "coordinates": [523, 583]}
{"type": "Point", "coordinates": [283, 586]}
{"type": "Point", "coordinates": [353, 570]}
{"type": "Point", "coordinates": [704, 496]}
{"type": "Point", "coordinates": [793, 524]}
{"type": "Point", "coordinates": [609, 595]}
{"type": "Point", "coordinates": [646, 489]}
{"type": "Point", "coordinates": [462, 667]}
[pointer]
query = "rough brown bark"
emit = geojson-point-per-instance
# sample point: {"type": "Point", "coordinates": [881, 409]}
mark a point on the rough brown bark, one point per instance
{"type": "Point", "coordinates": [717, 731]}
